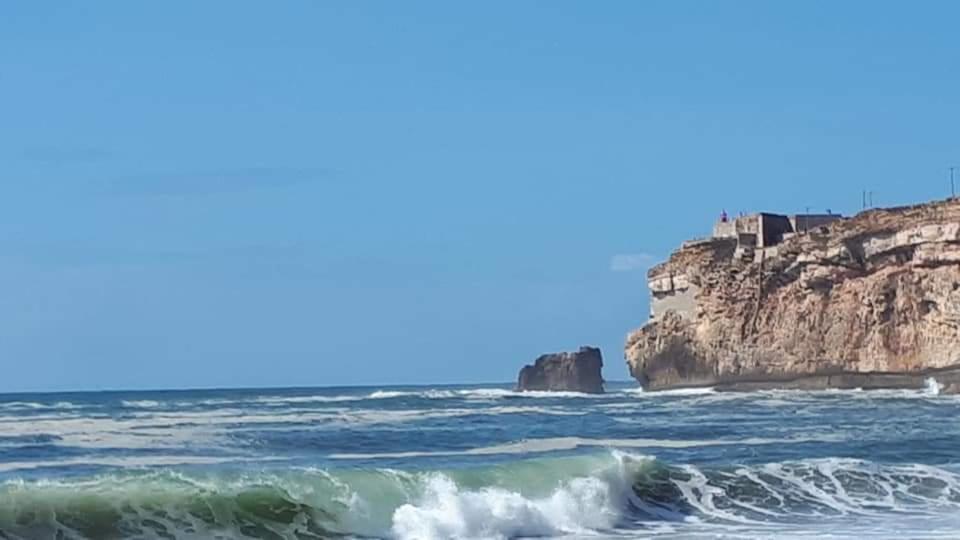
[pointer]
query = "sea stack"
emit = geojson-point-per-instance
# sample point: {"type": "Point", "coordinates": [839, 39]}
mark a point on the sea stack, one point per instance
{"type": "Point", "coordinates": [808, 301]}
{"type": "Point", "coordinates": [567, 371]}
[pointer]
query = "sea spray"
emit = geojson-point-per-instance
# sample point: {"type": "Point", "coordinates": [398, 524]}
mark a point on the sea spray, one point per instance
{"type": "Point", "coordinates": [446, 512]}
{"type": "Point", "coordinates": [582, 504]}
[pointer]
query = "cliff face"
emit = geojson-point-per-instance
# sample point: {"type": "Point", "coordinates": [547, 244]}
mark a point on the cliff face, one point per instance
{"type": "Point", "coordinates": [871, 301]}
{"type": "Point", "coordinates": [574, 372]}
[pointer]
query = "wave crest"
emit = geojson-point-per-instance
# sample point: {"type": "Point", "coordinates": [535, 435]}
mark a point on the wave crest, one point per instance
{"type": "Point", "coordinates": [595, 493]}
{"type": "Point", "coordinates": [580, 504]}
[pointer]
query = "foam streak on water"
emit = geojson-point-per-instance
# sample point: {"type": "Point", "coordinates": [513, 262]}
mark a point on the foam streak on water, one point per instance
{"type": "Point", "coordinates": [479, 462]}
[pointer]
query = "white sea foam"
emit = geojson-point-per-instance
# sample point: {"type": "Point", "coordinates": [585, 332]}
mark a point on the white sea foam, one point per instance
{"type": "Point", "coordinates": [127, 461]}
{"type": "Point", "coordinates": [469, 394]}
{"type": "Point", "coordinates": [212, 428]}
{"type": "Point", "coordinates": [448, 512]}
{"type": "Point", "coordinates": [476, 393]}
{"type": "Point", "coordinates": [283, 400]}
{"type": "Point", "coordinates": [31, 405]}
{"type": "Point", "coordinates": [553, 444]}
{"type": "Point", "coordinates": [557, 394]}
{"type": "Point", "coordinates": [487, 393]}
{"type": "Point", "coordinates": [108, 432]}
{"type": "Point", "coordinates": [583, 505]}
{"type": "Point", "coordinates": [932, 387]}
{"type": "Point", "coordinates": [141, 404]}
{"type": "Point", "coordinates": [388, 394]}
{"type": "Point", "coordinates": [432, 393]}
{"type": "Point", "coordinates": [425, 394]}
{"type": "Point", "coordinates": [438, 393]}
{"type": "Point", "coordinates": [699, 391]}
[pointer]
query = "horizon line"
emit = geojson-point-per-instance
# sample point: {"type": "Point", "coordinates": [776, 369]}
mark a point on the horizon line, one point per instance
{"type": "Point", "coordinates": [225, 388]}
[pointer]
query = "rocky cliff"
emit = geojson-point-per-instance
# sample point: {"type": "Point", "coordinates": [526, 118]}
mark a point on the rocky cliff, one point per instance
{"type": "Point", "coordinates": [573, 372]}
{"type": "Point", "coordinates": [871, 301]}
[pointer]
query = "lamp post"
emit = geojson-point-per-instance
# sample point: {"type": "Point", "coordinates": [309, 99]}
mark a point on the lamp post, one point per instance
{"type": "Point", "coordinates": [953, 192]}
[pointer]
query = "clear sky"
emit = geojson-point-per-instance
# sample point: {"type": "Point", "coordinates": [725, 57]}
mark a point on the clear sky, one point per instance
{"type": "Point", "coordinates": [234, 193]}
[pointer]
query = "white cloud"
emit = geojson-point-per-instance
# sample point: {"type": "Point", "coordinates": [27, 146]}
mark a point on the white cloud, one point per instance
{"type": "Point", "coordinates": [629, 262]}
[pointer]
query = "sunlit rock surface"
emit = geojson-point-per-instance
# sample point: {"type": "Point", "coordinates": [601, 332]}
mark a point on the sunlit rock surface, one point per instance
{"type": "Point", "coordinates": [871, 302]}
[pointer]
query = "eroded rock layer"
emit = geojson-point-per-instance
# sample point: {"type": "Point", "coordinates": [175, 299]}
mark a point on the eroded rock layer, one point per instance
{"type": "Point", "coordinates": [871, 301]}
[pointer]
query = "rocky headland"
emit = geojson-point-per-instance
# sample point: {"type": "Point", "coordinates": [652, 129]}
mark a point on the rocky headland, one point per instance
{"type": "Point", "coordinates": [567, 371]}
{"type": "Point", "coordinates": [769, 301]}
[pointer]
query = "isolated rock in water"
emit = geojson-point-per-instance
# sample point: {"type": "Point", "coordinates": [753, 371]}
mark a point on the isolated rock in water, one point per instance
{"type": "Point", "coordinates": [572, 372]}
{"type": "Point", "coordinates": [867, 302]}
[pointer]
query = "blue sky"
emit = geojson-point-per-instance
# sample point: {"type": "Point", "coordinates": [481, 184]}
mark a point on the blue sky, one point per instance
{"type": "Point", "coordinates": [233, 193]}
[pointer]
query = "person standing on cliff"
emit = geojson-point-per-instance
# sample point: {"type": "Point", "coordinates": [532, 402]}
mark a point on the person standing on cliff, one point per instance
{"type": "Point", "coordinates": [723, 216]}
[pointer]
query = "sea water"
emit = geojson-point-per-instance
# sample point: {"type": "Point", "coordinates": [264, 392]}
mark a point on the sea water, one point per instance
{"type": "Point", "coordinates": [479, 462]}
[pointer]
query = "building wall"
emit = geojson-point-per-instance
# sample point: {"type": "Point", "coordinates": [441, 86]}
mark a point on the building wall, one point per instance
{"type": "Point", "coordinates": [736, 226]}
{"type": "Point", "coordinates": [772, 228]}
{"type": "Point", "coordinates": [725, 229]}
{"type": "Point", "coordinates": [747, 239]}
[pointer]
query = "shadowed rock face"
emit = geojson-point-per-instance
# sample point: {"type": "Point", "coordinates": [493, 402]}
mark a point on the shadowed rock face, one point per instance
{"type": "Point", "coordinates": [572, 372]}
{"type": "Point", "coordinates": [872, 302]}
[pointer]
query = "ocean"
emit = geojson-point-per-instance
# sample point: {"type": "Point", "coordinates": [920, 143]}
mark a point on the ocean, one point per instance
{"type": "Point", "coordinates": [479, 462]}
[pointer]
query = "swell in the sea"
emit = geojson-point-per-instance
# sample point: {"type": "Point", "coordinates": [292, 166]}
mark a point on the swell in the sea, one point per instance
{"type": "Point", "coordinates": [607, 492]}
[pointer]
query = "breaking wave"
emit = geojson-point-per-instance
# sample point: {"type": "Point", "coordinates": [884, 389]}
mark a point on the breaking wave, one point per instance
{"type": "Point", "coordinates": [16, 406]}
{"type": "Point", "coordinates": [482, 394]}
{"type": "Point", "coordinates": [488, 394]}
{"type": "Point", "coordinates": [472, 394]}
{"type": "Point", "coordinates": [603, 492]}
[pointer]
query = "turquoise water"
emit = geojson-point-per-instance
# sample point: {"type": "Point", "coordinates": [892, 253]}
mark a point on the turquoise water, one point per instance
{"type": "Point", "coordinates": [479, 462]}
